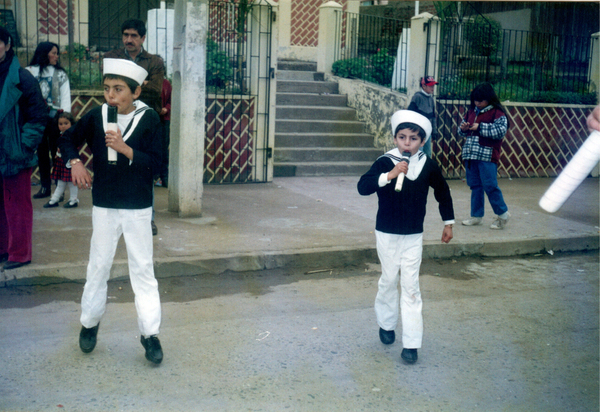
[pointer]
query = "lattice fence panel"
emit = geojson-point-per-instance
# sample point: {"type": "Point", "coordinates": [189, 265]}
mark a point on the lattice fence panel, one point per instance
{"type": "Point", "coordinates": [230, 140]}
{"type": "Point", "coordinates": [539, 143]}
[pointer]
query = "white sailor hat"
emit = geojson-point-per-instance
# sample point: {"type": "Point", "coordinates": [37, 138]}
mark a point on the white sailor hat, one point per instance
{"type": "Point", "coordinates": [409, 116]}
{"type": "Point", "coordinates": [125, 68]}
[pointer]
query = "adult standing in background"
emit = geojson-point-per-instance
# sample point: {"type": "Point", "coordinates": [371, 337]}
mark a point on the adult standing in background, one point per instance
{"type": "Point", "coordinates": [134, 35]}
{"type": "Point", "coordinates": [23, 116]}
{"type": "Point", "coordinates": [56, 91]}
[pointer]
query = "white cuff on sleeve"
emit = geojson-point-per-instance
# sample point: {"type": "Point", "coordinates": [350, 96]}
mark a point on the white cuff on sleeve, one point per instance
{"type": "Point", "coordinates": [383, 180]}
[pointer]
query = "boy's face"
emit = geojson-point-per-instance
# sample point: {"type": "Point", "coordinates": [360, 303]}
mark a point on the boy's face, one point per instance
{"type": "Point", "coordinates": [428, 89]}
{"type": "Point", "coordinates": [63, 124]}
{"type": "Point", "coordinates": [408, 141]}
{"type": "Point", "coordinates": [117, 93]}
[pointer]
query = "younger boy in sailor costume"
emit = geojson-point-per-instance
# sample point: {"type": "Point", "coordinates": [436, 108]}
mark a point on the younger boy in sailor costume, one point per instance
{"type": "Point", "coordinates": [122, 199]}
{"type": "Point", "coordinates": [399, 226]}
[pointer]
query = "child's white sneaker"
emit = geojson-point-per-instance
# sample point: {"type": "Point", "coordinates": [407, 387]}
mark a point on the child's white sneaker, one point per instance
{"type": "Point", "coordinates": [499, 223]}
{"type": "Point", "coordinates": [472, 221]}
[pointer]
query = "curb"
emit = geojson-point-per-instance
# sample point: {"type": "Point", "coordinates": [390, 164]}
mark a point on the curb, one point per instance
{"type": "Point", "coordinates": [310, 258]}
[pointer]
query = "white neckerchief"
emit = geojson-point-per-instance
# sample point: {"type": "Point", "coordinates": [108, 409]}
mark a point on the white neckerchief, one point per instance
{"type": "Point", "coordinates": [123, 120]}
{"type": "Point", "coordinates": [415, 164]}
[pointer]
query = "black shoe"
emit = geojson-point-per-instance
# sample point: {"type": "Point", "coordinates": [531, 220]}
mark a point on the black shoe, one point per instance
{"type": "Point", "coordinates": [87, 338]}
{"type": "Point", "coordinates": [153, 350]}
{"type": "Point", "coordinates": [3, 257]}
{"type": "Point", "coordinates": [70, 205]}
{"type": "Point", "coordinates": [409, 355]}
{"type": "Point", "coordinates": [49, 205]}
{"type": "Point", "coordinates": [154, 229]}
{"type": "Point", "coordinates": [387, 336]}
{"type": "Point", "coordinates": [13, 265]}
{"type": "Point", "coordinates": [42, 193]}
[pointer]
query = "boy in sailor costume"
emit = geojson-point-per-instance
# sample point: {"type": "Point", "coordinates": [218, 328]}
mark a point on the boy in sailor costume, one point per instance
{"type": "Point", "coordinates": [399, 226]}
{"type": "Point", "coordinates": [122, 199]}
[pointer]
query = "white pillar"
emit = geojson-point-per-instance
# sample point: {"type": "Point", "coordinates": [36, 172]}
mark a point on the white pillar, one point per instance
{"type": "Point", "coordinates": [186, 163]}
{"type": "Point", "coordinates": [263, 82]}
{"type": "Point", "coordinates": [418, 50]}
{"type": "Point", "coordinates": [284, 22]}
{"type": "Point", "coordinates": [330, 26]}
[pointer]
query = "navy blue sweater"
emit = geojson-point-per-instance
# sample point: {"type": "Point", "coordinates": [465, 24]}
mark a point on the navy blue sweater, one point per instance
{"type": "Point", "coordinates": [124, 185]}
{"type": "Point", "coordinates": [403, 213]}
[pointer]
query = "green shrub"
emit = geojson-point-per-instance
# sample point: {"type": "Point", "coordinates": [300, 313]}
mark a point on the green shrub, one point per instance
{"type": "Point", "coordinates": [484, 36]}
{"type": "Point", "coordinates": [565, 97]}
{"type": "Point", "coordinates": [378, 68]}
{"type": "Point", "coordinates": [349, 68]}
{"type": "Point", "coordinates": [382, 65]}
{"type": "Point", "coordinates": [219, 71]}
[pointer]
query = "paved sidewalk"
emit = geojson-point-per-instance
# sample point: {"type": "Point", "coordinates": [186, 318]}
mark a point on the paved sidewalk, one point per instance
{"type": "Point", "coordinates": [319, 222]}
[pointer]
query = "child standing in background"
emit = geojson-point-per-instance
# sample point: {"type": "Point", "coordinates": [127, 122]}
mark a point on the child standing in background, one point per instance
{"type": "Point", "coordinates": [61, 172]}
{"type": "Point", "coordinates": [484, 128]}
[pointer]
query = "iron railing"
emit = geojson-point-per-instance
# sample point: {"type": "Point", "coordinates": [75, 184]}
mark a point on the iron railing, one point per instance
{"type": "Point", "coordinates": [372, 48]}
{"type": "Point", "coordinates": [522, 66]}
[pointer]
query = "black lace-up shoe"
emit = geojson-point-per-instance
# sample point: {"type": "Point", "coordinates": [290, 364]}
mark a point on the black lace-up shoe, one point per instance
{"type": "Point", "coordinates": [153, 350]}
{"type": "Point", "coordinates": [87, 338]}
{"type": "Point", "coordinates": [42, 193]}
{"type": "Point", "coordinates": [409, 355]}
{"type": "Point", "coordinates": [387, 336]}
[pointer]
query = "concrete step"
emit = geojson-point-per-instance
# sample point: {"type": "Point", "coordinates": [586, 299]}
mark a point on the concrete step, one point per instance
{"type": "Point", "coordinates": [354, 140]}
{"type": "Point", "coordinates": [326, 155]}
{"type": "Point", "coordinates": [311, 99]}
{"type": "Point", "coordinates": [300, 75]}
{"type": "Point", "coordinates": [296, 65]}
{"type": "Point", "coordinates": [297, 86]}
{"type": "Point", "coordinates": [318, 126]}
{"type": "Point", "coordinates": [320, 169]}
{"type": "Point", "coordinates": [315, 113]}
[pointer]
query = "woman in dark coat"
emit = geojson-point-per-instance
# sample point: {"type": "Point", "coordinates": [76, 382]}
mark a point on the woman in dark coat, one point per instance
{"type": "Point", "coordinates": [23, 115]}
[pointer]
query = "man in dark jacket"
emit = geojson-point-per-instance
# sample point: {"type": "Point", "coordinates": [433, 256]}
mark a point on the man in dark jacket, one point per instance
{"type": "Point", "coordinates": [134, 35]}
{"type": "Point", "coordinates": [23, 114]}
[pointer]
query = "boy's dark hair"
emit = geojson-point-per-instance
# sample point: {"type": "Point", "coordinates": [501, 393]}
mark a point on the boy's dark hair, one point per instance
{"type": "Point", "coordinates": [412, 127]}
{"type": "Point", "coordinates": [134, 24]}
{"type": "Point", "coordinates": [40, 56]}
{"type": "Point", "coordinates": [132, 84]}
{"type": "Point", "coordinates": [485, 91]}
{"type": "Point", "coordinates": [66, 115]}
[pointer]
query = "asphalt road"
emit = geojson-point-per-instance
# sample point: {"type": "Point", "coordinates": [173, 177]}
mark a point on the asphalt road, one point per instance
{"type": "Point", "coordinates": [518, 334]}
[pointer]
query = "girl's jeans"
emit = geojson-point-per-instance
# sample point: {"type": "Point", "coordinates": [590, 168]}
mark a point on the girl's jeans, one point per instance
{"type": "Point", "coordinates": [481, 178]}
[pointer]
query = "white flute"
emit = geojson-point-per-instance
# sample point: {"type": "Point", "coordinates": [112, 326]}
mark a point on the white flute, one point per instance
{"type": "Point", "coordinates": [400, 180]}
{"type": "Point", "coordinates": [112, 153]}
{"type": "Point", "coordinates": [573, 174]}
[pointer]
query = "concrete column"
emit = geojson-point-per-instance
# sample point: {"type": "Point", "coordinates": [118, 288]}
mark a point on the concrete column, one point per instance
{"type": "Point", "coordinates": [284, 22]}
{"type": "Point", "coordinates": [188, 109]}
{"type": "Point", "coordinates": [330, 26]}
{"type": "Point", "coordinates": [262, 81]}
{"type": "Point", "coordinates": [418, 50]}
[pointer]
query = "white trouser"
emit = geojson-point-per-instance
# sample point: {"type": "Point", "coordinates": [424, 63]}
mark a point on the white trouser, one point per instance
{"type": "Point", "coordinates": [134, 225]}
{"type": "Point", "coordinates": [400, 253]}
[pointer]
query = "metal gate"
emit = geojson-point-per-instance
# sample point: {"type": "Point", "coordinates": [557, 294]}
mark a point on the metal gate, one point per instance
{"type": "Point", "coordinates": [238, 81]}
